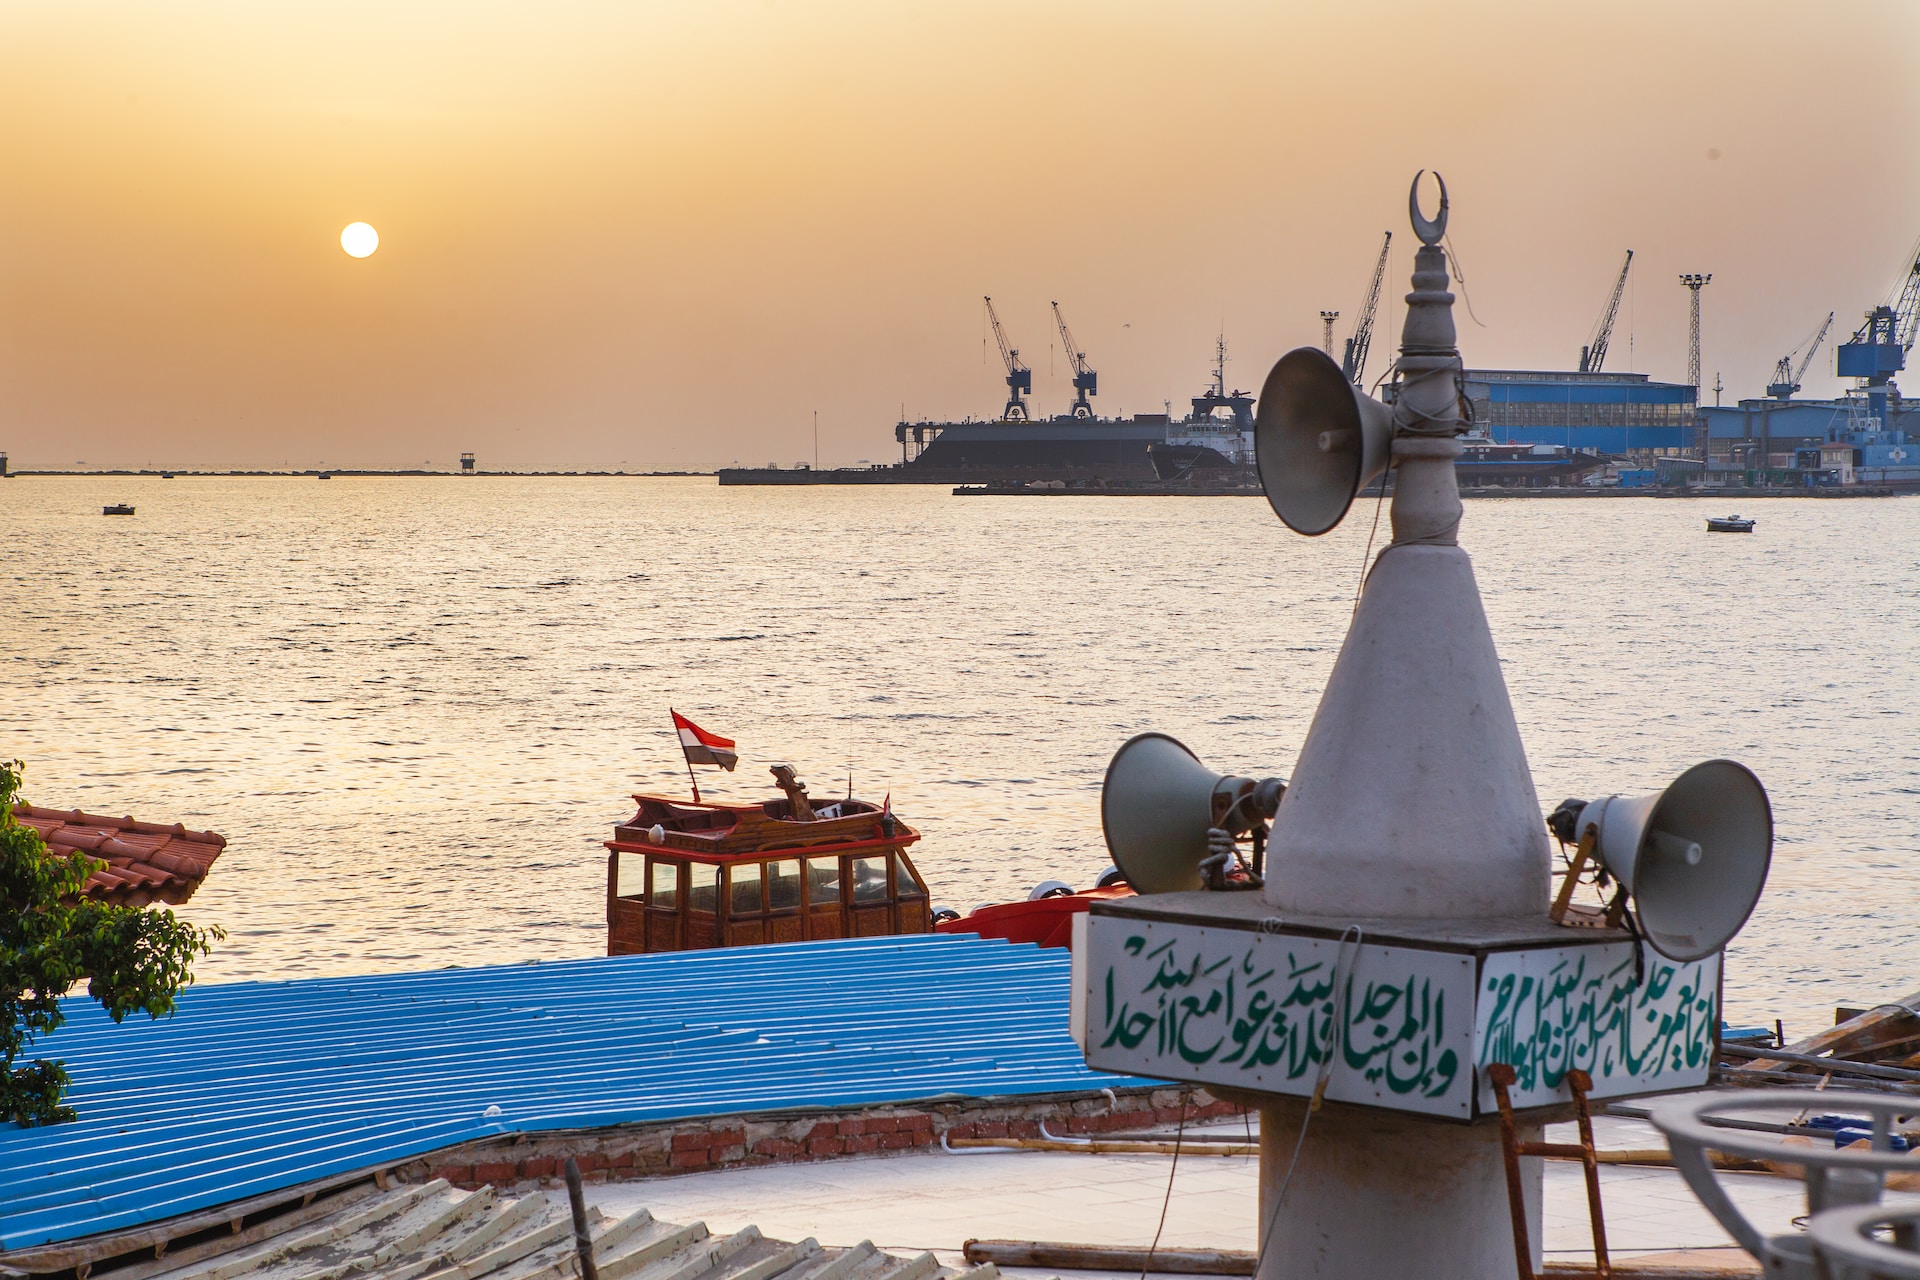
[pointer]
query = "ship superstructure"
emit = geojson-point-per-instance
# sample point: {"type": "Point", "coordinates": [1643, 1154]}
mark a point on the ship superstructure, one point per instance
{"type": "Point", "coordinates": [1078, 444]}
{"type": "Point", "coordinates": [1217, 433]}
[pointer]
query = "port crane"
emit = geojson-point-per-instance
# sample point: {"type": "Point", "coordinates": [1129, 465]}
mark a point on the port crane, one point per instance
{"type": "Point", "coordinates": [1594, 354]}
{"type": "Point", "coordinates": [1086, 382]}
{"type": "Point", "coordinates": [1354, 364]}
{"type": "Point", "coordinates": [1786, 374]}
{"type": "Point", "coordinates": [1019, 377]}
{"type": "Point", "coordinates": [1879, 347]}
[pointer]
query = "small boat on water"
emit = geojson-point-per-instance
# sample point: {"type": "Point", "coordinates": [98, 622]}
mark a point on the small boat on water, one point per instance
{"type": "Point", "coordinates": [117, 509]}
{"type": "Point", "coordinates": [1044, 919]}
{"type": "Point", "coordinates": [685, 877]}
{"type": "Point", "coordinates": [690, 876]}
{"type": "Point", "coordinates": [1734, 523]}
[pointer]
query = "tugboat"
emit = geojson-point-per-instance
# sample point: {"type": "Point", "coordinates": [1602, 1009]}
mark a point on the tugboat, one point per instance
{"type": "Point", "coordinates": [1205, 440]}
{"type": "Point", "coordinates": [1729, 524]}
{"type": "Point", "coordinates": [687, 877]}
{"type": "Point", "coordinates": [117, 509]}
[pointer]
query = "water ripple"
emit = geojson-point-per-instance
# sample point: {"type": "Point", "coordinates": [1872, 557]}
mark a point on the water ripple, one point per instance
{"type": "Point", "coordinates": [415, 706]}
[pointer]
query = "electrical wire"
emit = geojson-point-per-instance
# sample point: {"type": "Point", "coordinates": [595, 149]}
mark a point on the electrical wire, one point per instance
{"type": "Point", "coordinates": [1342, 973]}
{"type": "Point", "coordinates": [1367, 555]}
{"type": "Point", "coordinates": [1639, 947]}
{"type": "Point", "coordinates": [1460, 278]}
{"type": "Point", "coordinates": [1172, 1169]}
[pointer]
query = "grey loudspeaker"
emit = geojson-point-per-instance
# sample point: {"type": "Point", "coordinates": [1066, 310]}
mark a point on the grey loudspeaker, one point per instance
{"type": "Point", "coordinates": [1317, 440]}
{"type": "Point", "coordinates": [1694, 858]}
{"type": "Point", "coordinates": [1157, 804]}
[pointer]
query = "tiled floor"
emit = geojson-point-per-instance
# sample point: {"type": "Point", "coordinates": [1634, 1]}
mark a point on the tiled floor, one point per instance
{"type": "Point", "coordinates": [938, 1200]}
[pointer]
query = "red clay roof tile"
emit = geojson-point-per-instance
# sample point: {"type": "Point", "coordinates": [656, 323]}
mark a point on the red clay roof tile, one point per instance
{"type": "Point", "coordinates": [145, 861]}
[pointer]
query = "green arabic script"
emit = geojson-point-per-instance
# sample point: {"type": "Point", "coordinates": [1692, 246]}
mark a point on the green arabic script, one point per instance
{"type": "Point", "coordinates": [1587, 1011]}
{"type": "Point", "coordinates": [1270, 1009]}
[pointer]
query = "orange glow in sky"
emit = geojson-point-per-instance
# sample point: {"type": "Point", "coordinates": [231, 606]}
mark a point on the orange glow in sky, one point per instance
{"type": "Point", "coordinates": [662, 235]}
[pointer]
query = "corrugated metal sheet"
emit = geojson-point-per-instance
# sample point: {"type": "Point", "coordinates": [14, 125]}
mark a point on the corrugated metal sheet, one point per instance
{"type": "Point", "coordinates": [258, 1086]}
{"type": "Point", "coordinates": [435, 1230]}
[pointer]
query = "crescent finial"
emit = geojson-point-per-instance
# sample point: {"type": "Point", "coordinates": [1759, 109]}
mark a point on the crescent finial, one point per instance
{"type": "Point", "coordinates": [1430, 233]}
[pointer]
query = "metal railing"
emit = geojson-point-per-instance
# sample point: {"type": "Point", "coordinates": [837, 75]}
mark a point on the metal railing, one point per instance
{"type": "Point", "coordinates": [1850, 1234]}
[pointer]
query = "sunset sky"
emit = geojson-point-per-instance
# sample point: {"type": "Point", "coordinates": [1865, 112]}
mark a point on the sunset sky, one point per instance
{"type": "Point", "coordinates": [662, 235]}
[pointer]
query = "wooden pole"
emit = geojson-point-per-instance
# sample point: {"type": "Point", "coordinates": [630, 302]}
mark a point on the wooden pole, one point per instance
{"type": "Point", "coordinates": [1057, 1256]}
{"type": "Point", "coordinates": [1581, 852]}
{"type": "Point", "coordinates": [1089, 1257]}
{"type": "Point", "coordinates": [1655, 1157]}
{"type": "Point", "coordinates": [582, 1237]}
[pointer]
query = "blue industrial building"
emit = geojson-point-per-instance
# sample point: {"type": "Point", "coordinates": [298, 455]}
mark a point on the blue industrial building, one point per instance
{"type": "Point", "coordinates": [1760, 435]}
{"type": "Point", "coordinates": [1619, 415]}
{"type": "Point", "coordinates": [1856, 440]}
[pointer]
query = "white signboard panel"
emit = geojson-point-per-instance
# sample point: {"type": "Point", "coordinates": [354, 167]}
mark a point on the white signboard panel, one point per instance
{"type": "Point", "coordinates": [1545, 1012]}
{"type": "Point", "coordinates": [1255, 1010]}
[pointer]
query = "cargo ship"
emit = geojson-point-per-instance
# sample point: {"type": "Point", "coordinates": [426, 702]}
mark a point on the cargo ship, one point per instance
{"type": "Point", "coordinates": [1210, 449]}
{"type": "Point", "coordinates": [1016, 447]}
{"type": "Point", "coordinates": [1223, 458]}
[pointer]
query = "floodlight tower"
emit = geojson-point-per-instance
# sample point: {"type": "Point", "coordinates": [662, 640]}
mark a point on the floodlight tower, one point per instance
{"type": "Point", "coordinates": [1694, 283]}
{"type": "Point", "coordinates": [1326, 336]}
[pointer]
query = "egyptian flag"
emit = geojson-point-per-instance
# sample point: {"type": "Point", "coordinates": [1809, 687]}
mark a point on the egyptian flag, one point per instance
{"type": "Point", "coordinates": [702, 747]}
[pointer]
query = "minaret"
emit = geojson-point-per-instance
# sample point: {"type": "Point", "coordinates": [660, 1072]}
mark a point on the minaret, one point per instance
{"type": "Point", "coordinates": [1411, 799]}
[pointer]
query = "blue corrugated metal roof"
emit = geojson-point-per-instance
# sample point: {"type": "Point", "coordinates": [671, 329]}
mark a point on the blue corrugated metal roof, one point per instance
{"type": "Point", "coordinates": [253, 1087]}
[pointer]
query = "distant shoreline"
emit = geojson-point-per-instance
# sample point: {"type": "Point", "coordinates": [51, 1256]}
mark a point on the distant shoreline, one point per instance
{"type": "Point", "coordinates": [1568, 492]}
{"type": "Point", "coordinates": [296, 475]}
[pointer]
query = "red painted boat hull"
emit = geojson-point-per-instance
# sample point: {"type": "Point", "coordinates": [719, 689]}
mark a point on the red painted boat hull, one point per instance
{"type": "Point", "coordinates": [1046, 922]}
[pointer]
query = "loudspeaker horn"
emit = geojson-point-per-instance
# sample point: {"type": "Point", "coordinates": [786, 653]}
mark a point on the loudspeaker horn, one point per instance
{"type": "Point", "coordinates": [1317, 440]}
{"type": "Point", "coordinates": [1693, 858]}
{"type": "Point", "coordinates": [1157, 804]}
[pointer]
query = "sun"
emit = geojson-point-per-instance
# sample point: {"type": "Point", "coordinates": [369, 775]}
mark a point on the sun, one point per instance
{"type": "Point", "coordinates": [359, 240]}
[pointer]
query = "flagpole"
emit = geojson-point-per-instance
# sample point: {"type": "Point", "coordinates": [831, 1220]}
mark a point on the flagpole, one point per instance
{"type": "Point", "coordinates": [683, 751]}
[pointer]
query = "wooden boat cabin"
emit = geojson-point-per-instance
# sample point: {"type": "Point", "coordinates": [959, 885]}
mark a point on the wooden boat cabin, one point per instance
{"type": "Point", "coordinates": [683, 877]}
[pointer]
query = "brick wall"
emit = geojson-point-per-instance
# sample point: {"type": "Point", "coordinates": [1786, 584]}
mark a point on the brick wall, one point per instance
{"type": "Point", "coordinates": [647, 1151]}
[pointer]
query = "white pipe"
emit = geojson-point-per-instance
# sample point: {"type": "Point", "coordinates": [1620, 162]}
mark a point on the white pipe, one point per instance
{"type": "Point", "coordinates": [972, 1151]}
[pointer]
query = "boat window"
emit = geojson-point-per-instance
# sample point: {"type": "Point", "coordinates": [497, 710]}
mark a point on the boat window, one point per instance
{"type": "Point", "coordinates": [904, 884]}
{"type": "Point", "coordinates": [823, 881]}
{"type": "Point", "coordinates": [626, 875]}
{"type": "Point", "coordinates": [703, 886]}
{"type": "Point", "coordinates": [783, 885]}
{"type": "Point", "coordinates": [870, 879]}
{"type": "Point", "coordinates": [666, 885]}
{"type": "Point", "coordinates": [744, 897]}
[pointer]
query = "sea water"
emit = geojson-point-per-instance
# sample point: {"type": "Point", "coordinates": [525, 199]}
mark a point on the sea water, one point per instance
{"type": "Point", "coordinates": [416, 706]}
